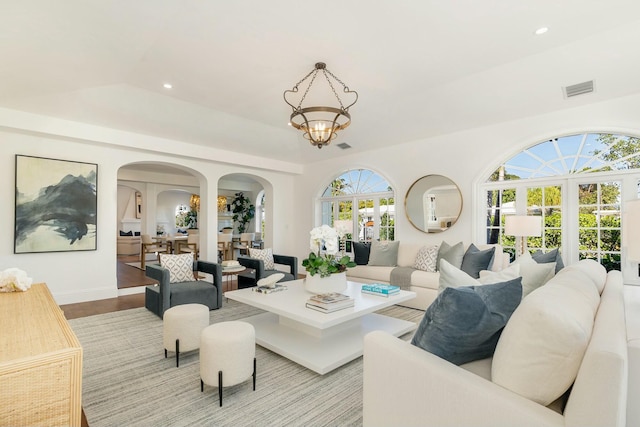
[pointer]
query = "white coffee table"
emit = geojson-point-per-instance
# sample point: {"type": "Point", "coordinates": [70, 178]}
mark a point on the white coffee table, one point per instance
{"type": "Point", "coordinates": [319, 341]}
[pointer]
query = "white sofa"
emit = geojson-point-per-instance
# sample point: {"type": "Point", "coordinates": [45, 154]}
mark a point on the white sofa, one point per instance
{"type": "Point", "coordinates": [128, 245]}
{"type": "Point", "coordinates": [423, 283]}
{"type": "Point", "coordinates": [405, 385]}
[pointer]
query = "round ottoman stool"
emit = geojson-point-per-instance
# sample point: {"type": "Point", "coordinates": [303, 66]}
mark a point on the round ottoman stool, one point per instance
{"type": "Point", "coordinates": [181, 328]}
{"type": "Point", "coordinates": [227, 355]}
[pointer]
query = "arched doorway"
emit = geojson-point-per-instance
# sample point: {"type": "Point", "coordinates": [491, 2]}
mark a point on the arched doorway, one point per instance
{"type": "Point", "coordinates": [148, 194]}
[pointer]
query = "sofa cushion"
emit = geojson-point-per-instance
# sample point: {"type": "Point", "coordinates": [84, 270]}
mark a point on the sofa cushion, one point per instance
{"type": "Point", "coordinates": [557, 322]}
{"type": "Point", "coordinates": [453, 254]}
{"type": "Point", "coordinates": [426, 258]}
{"type": "Point", "coordinates": [369, 272]}
{"type": "Point", "coordinates": [266, 255]}
{"type": "Point", "coordinates": [596, 273]}
{"type": "Point", "coordinates": [463, 324]}
{"type": "Point", "coordinates": [475, 260]}
{"type": "Point", "coordinates": [551, 256]}
{"type": "Point", "coordinates": [361, 251]}
{"type": "Point", "coordinates": [180, 267]}
{"type": "Point", "coordinates": [384, 253]}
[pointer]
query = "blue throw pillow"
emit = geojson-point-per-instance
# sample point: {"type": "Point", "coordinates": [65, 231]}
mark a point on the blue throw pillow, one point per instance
{"type": "Point", "coordinates": [361, 251]}
{"type": "Point", "coordinates": [463, 324]}
{"type": "Point", "coordinates": [551, 256]}
{"type": "Point", "coordinates": [475, 260]}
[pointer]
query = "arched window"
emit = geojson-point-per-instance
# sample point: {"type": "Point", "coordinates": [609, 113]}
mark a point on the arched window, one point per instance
{"type": "Point", "coordinates": [182, 216]}
{"type": "Point", "coordinates": [260, 214]}
{"type": "Point", "coordinates": [363, 198]}
{"type": "Point", "coordinates": [577, 184]}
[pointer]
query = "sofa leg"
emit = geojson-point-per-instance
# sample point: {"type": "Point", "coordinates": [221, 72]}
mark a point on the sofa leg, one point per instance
{"type": "Point", "coordinates": [177, 353]}
{"type": "Point", "coordinates": [201, 385]}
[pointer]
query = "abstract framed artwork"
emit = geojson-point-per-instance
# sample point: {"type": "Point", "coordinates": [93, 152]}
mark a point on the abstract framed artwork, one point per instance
{"type": "Point", "coordinates": [56, 205]}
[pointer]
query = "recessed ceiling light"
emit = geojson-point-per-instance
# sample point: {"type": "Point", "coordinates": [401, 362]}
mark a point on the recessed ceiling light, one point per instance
{"type": "Point", "coordinates": [541, 30]}
{"type": "Point", "coordinates": [167, 85]}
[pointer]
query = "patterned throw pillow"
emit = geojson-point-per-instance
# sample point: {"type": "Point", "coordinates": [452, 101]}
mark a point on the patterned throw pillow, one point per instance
{"type": "Point", "coordinates": [180, 267]}
{"type": "Point", "coordinates": [266, 255]}
{"type": "Point", "coordinates": [426, 258]}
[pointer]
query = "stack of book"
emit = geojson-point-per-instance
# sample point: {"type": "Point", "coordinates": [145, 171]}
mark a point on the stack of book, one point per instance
{"type": "Point", "coordinates": [381, 290]}
{"type": "Point", "coordinates": [269, 289]}
{"type": "Point", "coordinates": [328, 303]}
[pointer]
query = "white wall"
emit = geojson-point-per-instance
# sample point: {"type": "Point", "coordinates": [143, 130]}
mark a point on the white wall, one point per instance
{"type": "Point", "coordinates": [89, 275]}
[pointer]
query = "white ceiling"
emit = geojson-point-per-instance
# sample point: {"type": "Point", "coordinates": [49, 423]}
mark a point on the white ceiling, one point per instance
{"type": "Point", "coordinates": [421, 67]}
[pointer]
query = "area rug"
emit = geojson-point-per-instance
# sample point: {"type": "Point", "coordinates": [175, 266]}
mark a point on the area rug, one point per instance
{"type": "Point", "coordinates": [127, 380]}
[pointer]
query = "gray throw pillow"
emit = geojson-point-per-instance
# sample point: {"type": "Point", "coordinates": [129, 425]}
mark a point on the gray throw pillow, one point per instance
{"type": "Point", "coordinates": [361, 252]}
{"type": "Point", "coordinates": [453, 254]}
{"type": "Point", "coordinates": [384, 253]}
{"type": "Point", "coordinates": [551, 256]}
{"type": "Point", "coordinates": [475, 260]}
{"type": "Point", "coordinates": [463, 324]}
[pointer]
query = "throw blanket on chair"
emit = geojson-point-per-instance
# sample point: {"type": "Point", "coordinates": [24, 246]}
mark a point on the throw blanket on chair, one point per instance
{"type": "Point", "coordinates": [401, 276]}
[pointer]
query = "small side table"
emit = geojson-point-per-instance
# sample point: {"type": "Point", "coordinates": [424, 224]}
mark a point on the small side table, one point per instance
{"type": "Point", "coordinates": [229, 273]}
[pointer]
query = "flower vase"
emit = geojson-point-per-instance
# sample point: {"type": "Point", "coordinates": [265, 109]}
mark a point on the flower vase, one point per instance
{"type": "Point", "coordinates": [321, 285]}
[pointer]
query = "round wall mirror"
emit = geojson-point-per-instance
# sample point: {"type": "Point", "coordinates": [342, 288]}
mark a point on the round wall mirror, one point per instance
{"type": "Point", "coordinates": [433, 203]}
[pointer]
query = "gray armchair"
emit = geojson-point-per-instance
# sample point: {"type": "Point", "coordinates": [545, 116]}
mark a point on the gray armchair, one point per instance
{"type": "Point", "coordinates": [161, 297]}
{"type": "Point", "coordinates": [256, 271]}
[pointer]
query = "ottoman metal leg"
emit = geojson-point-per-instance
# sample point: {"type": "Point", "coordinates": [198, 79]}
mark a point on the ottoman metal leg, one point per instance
{"type": "Point", "coordinates": [220, 386]}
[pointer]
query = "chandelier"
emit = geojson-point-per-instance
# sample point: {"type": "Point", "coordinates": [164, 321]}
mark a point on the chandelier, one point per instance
{"type": "Point", "coordinates": [320, 124]}
{"type": "Point", "coordinates": [222, 203]}
{"type": "Point", "coordinates": [194, 203]}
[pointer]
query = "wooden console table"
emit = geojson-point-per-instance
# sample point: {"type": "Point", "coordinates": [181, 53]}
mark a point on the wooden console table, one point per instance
{"type": "Point", "coordinates": [40, 361]}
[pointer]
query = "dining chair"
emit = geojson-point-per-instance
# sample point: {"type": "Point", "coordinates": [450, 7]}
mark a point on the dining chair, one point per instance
{"type": "Point", "coordinates": [257, 241]}
{"type": "Point", "coordinates": [191, 245]}
{"type": "Point", "coordinates": [149, 246]}
{"type": "Point", "coordinates": [225, 249]}
{"type": "Point", "coordinates": [245, 242]}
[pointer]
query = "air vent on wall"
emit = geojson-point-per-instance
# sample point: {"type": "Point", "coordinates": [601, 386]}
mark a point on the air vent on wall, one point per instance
{"type": "Point", "coordinates": [344, 145]}
{"type": "Point", "coordinates": [578, 89]}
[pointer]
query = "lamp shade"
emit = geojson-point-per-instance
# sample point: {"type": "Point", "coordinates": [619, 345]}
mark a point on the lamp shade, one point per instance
{"type": "Point", "coordinates": [523, 225]}
{"type": "Point", "coordinates": [631, 230]}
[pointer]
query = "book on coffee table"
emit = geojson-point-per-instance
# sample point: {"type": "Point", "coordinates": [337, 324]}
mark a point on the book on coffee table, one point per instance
{"type": "Point", "coordinates": [329, 302]}
{"type": "Point", "coordinates": [380, 289]}
{"type": "Point", "coordinates": [329, 308]}
{"type": "Point", "coordinates": [269, 290]}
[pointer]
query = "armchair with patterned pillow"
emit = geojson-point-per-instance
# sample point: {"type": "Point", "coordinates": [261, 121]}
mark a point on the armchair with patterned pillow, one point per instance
{"type": "Point", "coordinates": [177, 284]}
{"type": "Point", "coordinates": [262, 263]}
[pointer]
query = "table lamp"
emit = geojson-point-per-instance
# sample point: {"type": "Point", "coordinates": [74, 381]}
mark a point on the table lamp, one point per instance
{"type": "Point", "coordinates": [523, 226]}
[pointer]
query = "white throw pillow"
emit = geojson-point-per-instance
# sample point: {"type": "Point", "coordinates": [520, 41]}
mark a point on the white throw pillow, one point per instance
{"type": "Point", "coordinates": [266, 255]}
{"type": "Point", "coordinates": [426, 258]}
{"type": "Point", "coordinates": [180, 267]}
{"type": "Point", "coordinates": [541, 347]}
{"type": "Point", "coordinates": [452, 277]}
{"type": "Point", "coordinates": [533, 274]}
{"type": "Point", "coordinates": [489, 276]}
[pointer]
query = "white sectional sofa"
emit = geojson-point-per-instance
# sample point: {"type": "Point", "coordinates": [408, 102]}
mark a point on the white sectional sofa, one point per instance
{"type": "Point", "coordinates": [423, 283]}
{"type": "Point", "coordinates": [406, 385]}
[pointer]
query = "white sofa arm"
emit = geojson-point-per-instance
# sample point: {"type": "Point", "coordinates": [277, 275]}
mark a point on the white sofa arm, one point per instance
{"type": "Point", "coordinates": [405, 385]}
